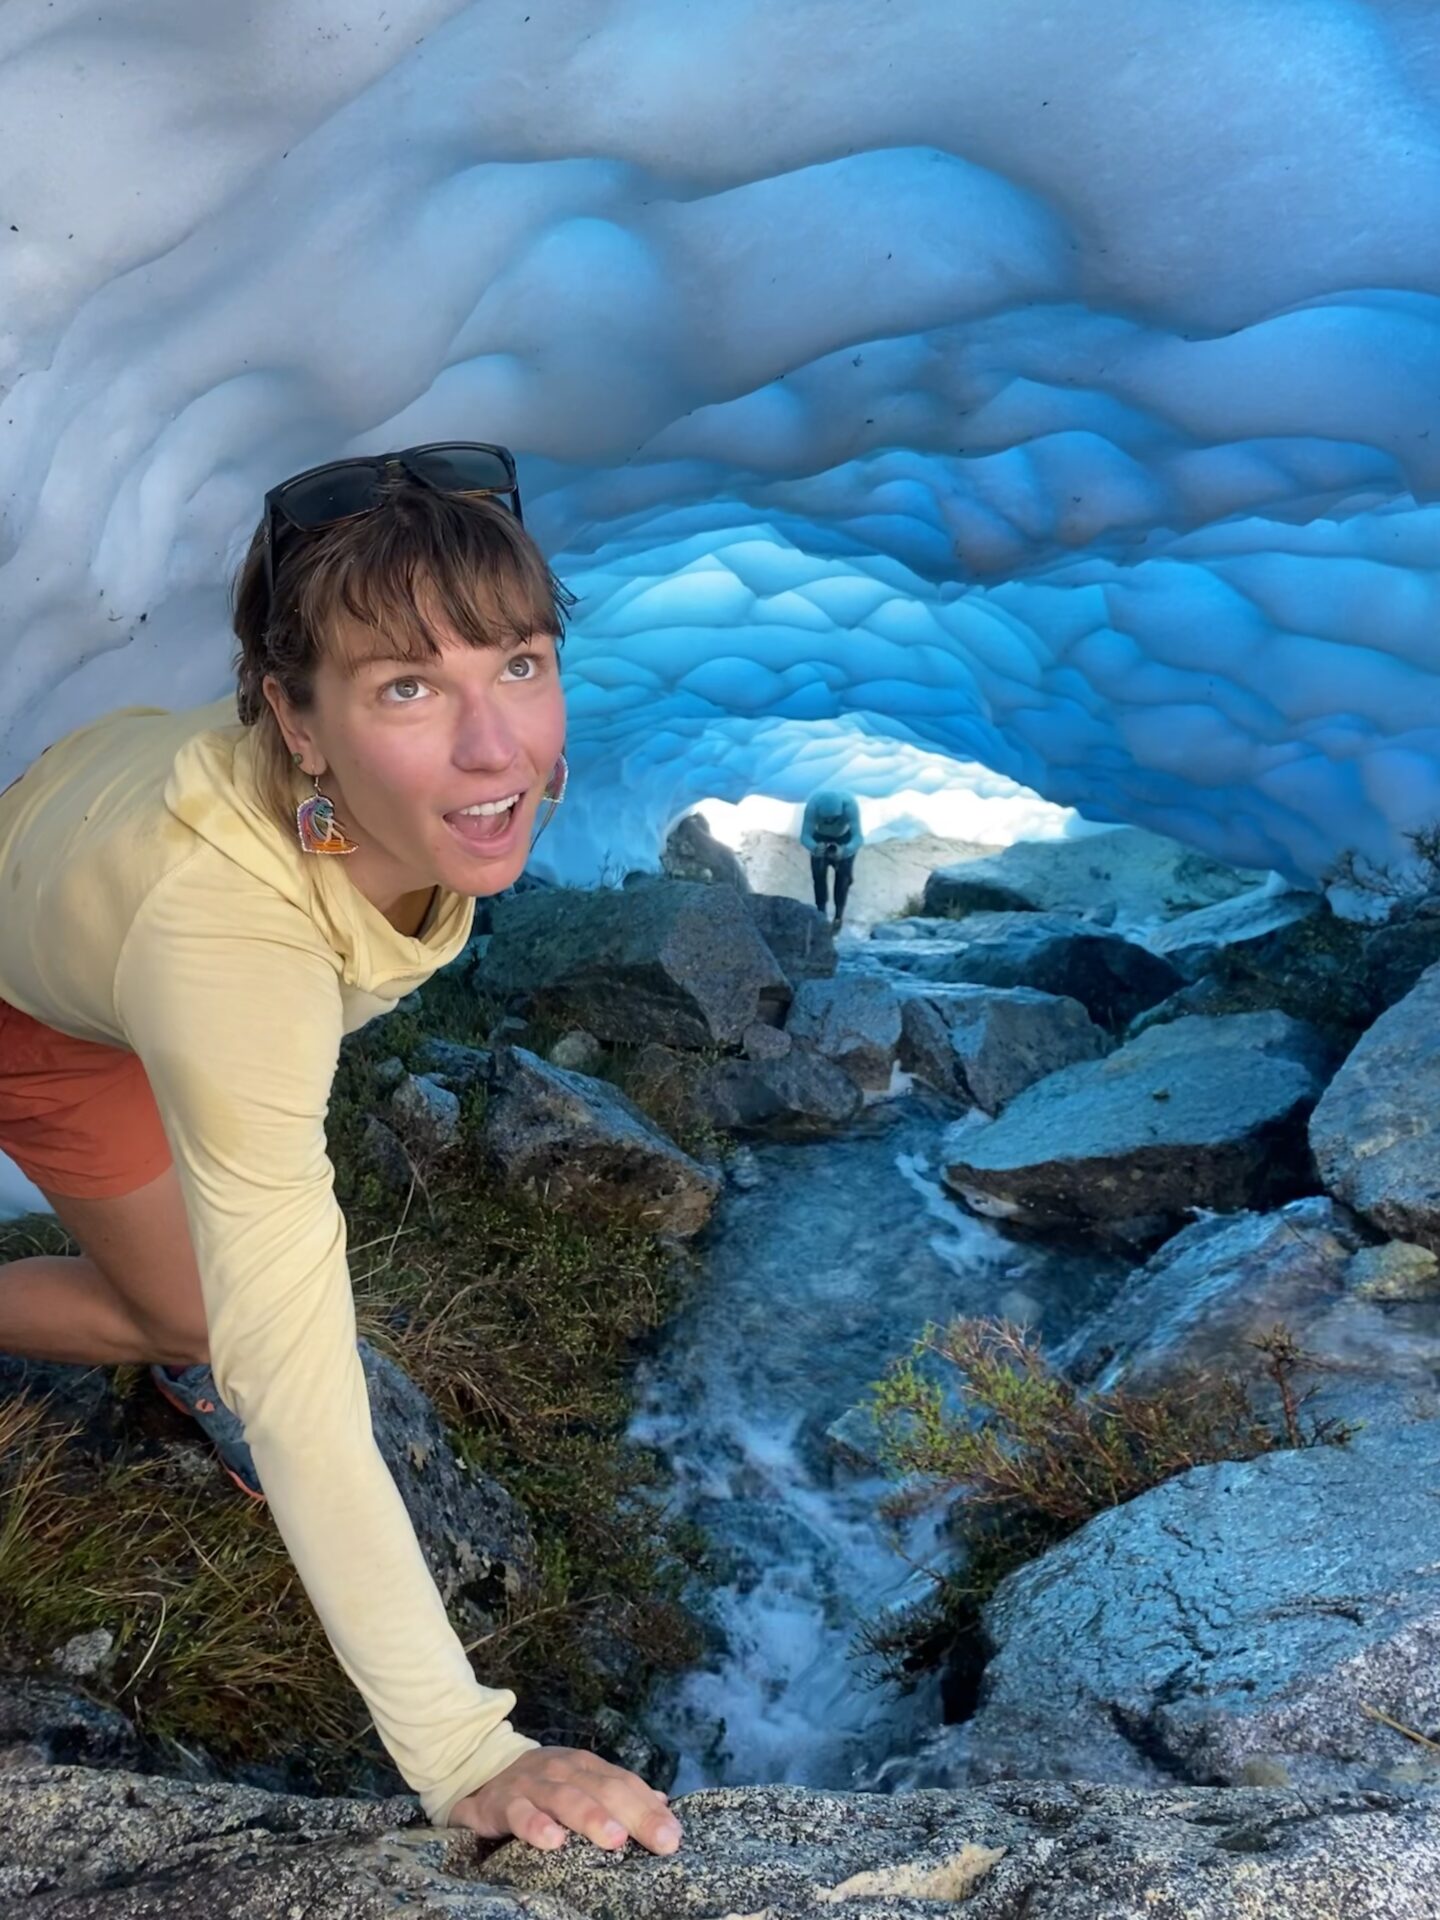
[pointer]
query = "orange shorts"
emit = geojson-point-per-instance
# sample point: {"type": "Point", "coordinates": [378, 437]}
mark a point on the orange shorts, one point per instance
{"type": "Point", "coordinates": [76, 1118]}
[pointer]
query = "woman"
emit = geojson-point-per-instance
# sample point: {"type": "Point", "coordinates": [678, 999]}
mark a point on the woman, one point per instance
{"type": "Point", "coordinates": [195, 910]}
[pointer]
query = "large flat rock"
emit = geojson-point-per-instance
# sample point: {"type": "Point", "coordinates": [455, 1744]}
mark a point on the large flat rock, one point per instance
{"type": "Point", "coordinates": [1139, 874]}
{"type": "Point", "coordinates": [78, 1845]}
{"type": "Point", "coordinates": [675, 961]}
{"type": "Point", "coordinates": [1198, 1113]}
{"type": "Point", "coordinates": [81, 1846]}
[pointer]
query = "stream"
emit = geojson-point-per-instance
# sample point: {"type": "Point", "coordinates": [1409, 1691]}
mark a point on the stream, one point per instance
{"type": "Point", "coordinates": [812, 1280]}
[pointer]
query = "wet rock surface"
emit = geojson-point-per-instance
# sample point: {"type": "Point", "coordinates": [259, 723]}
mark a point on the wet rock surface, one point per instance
{"type": "Point", "coordinates": [1242, 1615]}
{"type": "Point", "coordinates": [830, 1260]}
{"type": "Point", "coordinates": [788, 1095]}
{"type": "Point", "coordinates": [1206, 1297]}
{"type": "Point", "coordinates": [45, 1721]}
{"type": "Point", "coordinates": [1286, 950]}
{"type": "Point", "coordinates": [984, 1045]}
{"type": "Point", "coordinates": [1258, 927]}
{"type": "Point", "coordinates": [1113, 978]}
{"type": "Point", "coordinates": [1398, 953]}
{"type": "Point", "coordinates": [853, 1021]}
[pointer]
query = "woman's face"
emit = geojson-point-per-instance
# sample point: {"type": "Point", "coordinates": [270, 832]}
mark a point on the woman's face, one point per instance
{"type": "Point", "coordinates": [410, 750]}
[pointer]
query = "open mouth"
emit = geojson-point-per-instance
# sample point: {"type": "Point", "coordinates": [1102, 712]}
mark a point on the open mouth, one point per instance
{"type": "Point", "coordinates": [491, 823]}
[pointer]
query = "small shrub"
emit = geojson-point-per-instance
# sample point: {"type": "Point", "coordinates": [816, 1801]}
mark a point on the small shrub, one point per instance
{"type": "Point", "coordinates": [691, 1132]}
{"type": "Point", "coordinates": [916, 909]}
{"type": "Point", "coordinates": [1025, 1459]}
{"type": "Point", "coordinates": [1417, 880]}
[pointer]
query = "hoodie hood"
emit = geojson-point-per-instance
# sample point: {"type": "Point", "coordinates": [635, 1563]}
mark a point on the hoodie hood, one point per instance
{"type": "Point", "coordinates": [215, 789]}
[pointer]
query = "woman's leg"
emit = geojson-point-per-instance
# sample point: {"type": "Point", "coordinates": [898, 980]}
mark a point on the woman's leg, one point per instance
{"type": "Point", "coordinates": [132, 1295]}
{"type": "Point", "coordinates": [819, 881]}
{"type": "Point", "coordinates": [844, 874]}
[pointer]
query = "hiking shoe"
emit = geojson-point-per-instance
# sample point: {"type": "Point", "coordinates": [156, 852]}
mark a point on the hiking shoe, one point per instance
{"type": "Point", "coordinates": [192, 1391]}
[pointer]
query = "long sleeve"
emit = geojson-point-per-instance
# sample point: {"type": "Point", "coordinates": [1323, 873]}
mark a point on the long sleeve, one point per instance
{"type": "Point", "coordinates": [807, 827]}
{"type": "Point", "coordinates": [239, 1035]}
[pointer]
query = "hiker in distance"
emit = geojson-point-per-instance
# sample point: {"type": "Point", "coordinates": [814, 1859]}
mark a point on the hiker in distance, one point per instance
{"type": "Point", "coordinates": [198, 905]}
{"type": "Point", "coordinates": [830, 834]}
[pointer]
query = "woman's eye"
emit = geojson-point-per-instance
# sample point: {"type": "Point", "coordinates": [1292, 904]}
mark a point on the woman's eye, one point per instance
{"type": "Point", "coordinates": [404, 692]}
{"type": "Point", "coordinates": [528, 661]}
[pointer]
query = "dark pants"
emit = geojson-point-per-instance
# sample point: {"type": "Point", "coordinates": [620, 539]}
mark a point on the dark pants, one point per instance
{"type": "Point", "coordinates": [844, 865]}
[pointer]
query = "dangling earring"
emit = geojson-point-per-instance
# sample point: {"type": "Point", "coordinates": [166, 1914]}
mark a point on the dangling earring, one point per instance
{"type": "Point", "coordinates": [554, 793]}
{"type": "Point", "coordinates": [315, 822]}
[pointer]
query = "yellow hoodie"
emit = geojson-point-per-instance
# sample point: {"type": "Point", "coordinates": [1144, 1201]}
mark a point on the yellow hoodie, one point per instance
{"type": "Point", "coordinates": [149, 900]}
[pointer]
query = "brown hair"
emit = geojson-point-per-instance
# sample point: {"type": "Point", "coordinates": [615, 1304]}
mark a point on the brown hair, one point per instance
{"type": "Point", "coordinates": [419, 554]}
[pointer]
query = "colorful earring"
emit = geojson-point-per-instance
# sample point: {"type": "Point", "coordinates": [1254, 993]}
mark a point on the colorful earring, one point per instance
{"type": "Point", "coordinates": [315, 822]}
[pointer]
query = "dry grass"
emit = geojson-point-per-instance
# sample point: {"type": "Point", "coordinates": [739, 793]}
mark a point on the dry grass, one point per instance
{"type": "Point", "coordinates": [522, 1326]}
{"type": "Point", "coordinates": [212, 1631]}
{"type": "Point", "coordinates": [692, 1132]}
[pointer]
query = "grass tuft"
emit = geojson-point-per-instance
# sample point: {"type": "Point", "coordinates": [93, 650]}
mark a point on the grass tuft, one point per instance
{"type": "Point", "coordinates": [215, 1644]}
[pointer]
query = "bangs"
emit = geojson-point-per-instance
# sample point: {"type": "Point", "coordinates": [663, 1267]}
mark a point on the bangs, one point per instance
{"type": "Point", "coordinates": [426, 568]}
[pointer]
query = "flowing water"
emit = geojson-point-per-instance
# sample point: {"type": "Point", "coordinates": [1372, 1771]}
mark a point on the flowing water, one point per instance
{"type": "Point", "coordinates": [811, 1281]}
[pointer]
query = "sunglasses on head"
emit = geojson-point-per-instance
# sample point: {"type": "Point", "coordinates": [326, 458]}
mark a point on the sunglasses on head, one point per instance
{"type": "Point", "coordinates": [344, 489]}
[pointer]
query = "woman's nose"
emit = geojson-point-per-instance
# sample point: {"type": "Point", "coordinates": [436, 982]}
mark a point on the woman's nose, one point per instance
{"type": "Point", "coordinates": [485, 737]}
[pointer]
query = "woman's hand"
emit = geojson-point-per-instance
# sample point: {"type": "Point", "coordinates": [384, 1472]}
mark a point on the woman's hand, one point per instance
{"type": "Point", "coordinates": [551, 1792]}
